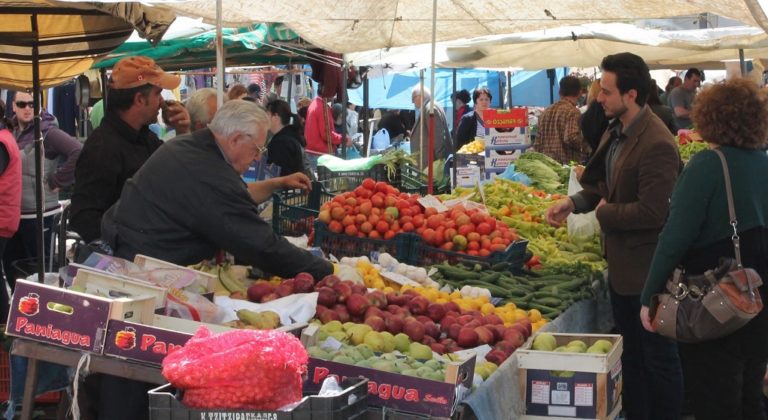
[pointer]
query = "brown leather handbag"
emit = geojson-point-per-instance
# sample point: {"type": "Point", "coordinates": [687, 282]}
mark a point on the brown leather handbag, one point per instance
{"type": "Point", "coordinates": [703, 307]}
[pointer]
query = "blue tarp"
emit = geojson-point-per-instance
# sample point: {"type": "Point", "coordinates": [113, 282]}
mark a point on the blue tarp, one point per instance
{"type": "Point", "coordinates": [529, 88]}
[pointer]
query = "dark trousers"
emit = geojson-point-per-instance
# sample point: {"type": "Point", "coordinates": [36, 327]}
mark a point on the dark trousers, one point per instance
{"type": "Point", "coordinates": [23, 245]}
{"type": "Point", "coordinates": [652, 376]}
{"type": "Point", "coordinates": [5, 301]}
{"type": "Point", "coordinates": [724, 377]}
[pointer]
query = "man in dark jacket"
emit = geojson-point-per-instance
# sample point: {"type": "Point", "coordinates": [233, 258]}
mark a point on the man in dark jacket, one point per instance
{"type": "Point", "coordinates": [188, 200]}
{"type": "Point", "coordinates": [123, 141]}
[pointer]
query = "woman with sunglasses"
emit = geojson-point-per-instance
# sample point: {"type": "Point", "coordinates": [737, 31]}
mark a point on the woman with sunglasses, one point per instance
{"type": "Point", "coordinates": [286, 148]}
{"type": "Point", "coordinates": [61, 153]}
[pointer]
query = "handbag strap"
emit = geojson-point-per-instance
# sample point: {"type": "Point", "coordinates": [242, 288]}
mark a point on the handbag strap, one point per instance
{"type": "Point", "coordinates": [731, 209]}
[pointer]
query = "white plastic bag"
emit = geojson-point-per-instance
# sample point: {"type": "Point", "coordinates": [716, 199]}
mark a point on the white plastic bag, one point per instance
{"type": "Point", "coordinates": [580, 225]}
{"type": "Point", "coordinates": [381, 140]}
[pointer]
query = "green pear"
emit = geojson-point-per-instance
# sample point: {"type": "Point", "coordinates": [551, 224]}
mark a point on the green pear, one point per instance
{"type": "Point", "coordinates": [544, 342]}
{"type": "Point", "coordinates": [348, 325]}
{"type": "Point", "coordinates": [434, 364]}
{"type": "Point", "coordinates": [402, 343]}
{"type": "Point", "coordinates": [357, 333]}
{"type": "Point", "coordinates": [340, 336]}
{"type": "Point", "coordinates": [343, 359]}
{"type": "Point", "coordinates": [389, 341]}
{"type": "Point", "coordinates": [332, 326]}
{"type": "Point", "coordinates": [435, 376]}
{"type": "Point", "coordinates": [374, 340]}
{"type": "Point", "coordinates": [365, 350]}
{"type": "Point", "coordinates": [318, 353]}
{"type": "Point", "coordinates": [420, 351]}
{"type": "Point", "coordinates": [385, 365]}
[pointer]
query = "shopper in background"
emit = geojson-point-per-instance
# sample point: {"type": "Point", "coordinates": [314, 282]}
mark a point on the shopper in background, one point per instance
{"type": "Point", "coordinates": [286, 147]}
{"type": "Point", "coordinates": [353, 119]}
{"type": "Point", "coordinates": [723, 376]}
{"type": "Point", "coordinates": [420, 139]}
{"type": "Point", "coordinates": [319, 130]}
{"type": "Point", "coordinates": [681, 98]}
{"type": "Point", "coordinates": [471, 124]}
{"type": "Point", "coordinates": [673, 82]}
{"type": "Point", "coordinates": [629, 181]}
{"type": "Point", "coordinates": [461, 105]}
{"type": "Point", "coordinates": [558, 134]}
{"type": "Point", "coordinates": [61, 152]}
{"type": "Point", "coordinates": [593, 122]}
{"type": "Point", "coordinates": [254, 91]}
{"type": "Point", "coordinates": [662, 111]}
{"type": "Point", "coordinates": [201, 106]}
{"type": "Point", "coordinates": [236, 91]}
{"type": "Point", "coordinates": [10, 199]}
{"type": "Point", "coordinates": [123, 141]}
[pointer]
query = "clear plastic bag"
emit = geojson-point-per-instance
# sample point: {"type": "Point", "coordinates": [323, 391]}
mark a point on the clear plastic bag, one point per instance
{"type": "Point", "coordinates": [242, 369]}
{"type": "Point", "coordinates": [580, 225]}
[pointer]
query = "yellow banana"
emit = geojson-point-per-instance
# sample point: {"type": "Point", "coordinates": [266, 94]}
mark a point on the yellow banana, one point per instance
{"type": "Point", "coordinates": [230, 283]}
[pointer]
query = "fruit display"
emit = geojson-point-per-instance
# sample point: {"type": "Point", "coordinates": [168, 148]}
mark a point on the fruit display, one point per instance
{"type": "Point", "coordinates": [475, 146]}
{"type": "Point", "coordinates": [262, 291]}
{"type": "Point", "coordinates": [248, 319]}
{"type": "Point", "coordinates": [548, 342]}
{"type": "Point", "coordinates": [362, 355]}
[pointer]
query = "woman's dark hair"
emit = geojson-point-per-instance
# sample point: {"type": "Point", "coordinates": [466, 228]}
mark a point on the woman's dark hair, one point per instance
{"type": "Point", "coordinates": [281, 108]}
{"type": "Point", "coordinates": [653, 94]}
{"type": "Point", "coordinates": [463, 95]}
{"type": "Point", "coordinates": [631, 73]}
{"type": "Point", "coordinates": [671, 83]}
{"type": "Point", "coordinates": [479, 91]}
{"type": "Point", "coordinates": [122, 99]}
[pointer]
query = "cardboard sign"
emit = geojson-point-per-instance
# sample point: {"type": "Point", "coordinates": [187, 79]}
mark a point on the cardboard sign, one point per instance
{"type": "Point", "coordinates": [501, 118]}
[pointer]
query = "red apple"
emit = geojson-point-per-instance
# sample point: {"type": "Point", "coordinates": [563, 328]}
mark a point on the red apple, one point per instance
{"type": "Point", "coordinates": [447, 342]}
{"type": "Point", "coordinates": [418, 305]}
{"type": "Point", "coordinates": [513, 335]}
{"type": "Point", "coordinates": [330, 280]}
{"type": "Point", "coordinates": [326, 296]}
{"type": "Point", "coordinates": [527, 324]}
{"type": "Point", "coordinates": [496, 356]}
{"type": "Point", "coordinates": [358, 304]}
{"type": "Point", "coordinates": [484, 335]}
{"type": "Point", "coordinates": [423, 318]}
{"type": "Point", "coordinates": [452, 306]}
{"type": "Point", "coordinates": [438, 348]}
{"type": "Point", "coordinates": [342, 311]}
{"type": "Point", "coordinates": [305, 283]}
{"type": "Point", "coordinates": [414, 330]}
{"type": "Point", "coordinates": [285, 288]}
{"type": "Point", "coordinates": [464, 319]}
{"type": "Point", "coordinates": [431, 329]}
{"type": "Point", "coordinates": [378, 299]}
{"type": "Point", "coordinates": [467, 337]}
{"type": "Point", "coordinates": [328, 316]}
{"type": "Point", "coordinates": [396, 298]}
{"type": "Point", "coordinates": [453, 331]}
{"type": "Point", "coordinates": [344, 289]}
{"type": "Point", "coordinates": [436, 311]}
{"type": "Point", "coordinates": [259, 289]}
{"type": "Point", "coordinates": [492, 319]}
{"type": "Point", "coordinates": [497, 330]}
{"type": "Point", "coordinates": [507, 347]}
{"type": "Point", "coordinates": [428, 341]}
{"type": "Point", "coordinates": [394, 324]}
{"type": "Point", "coordinates": [375, 322]}
{"type": "Point", "coordinates": [269, 297]}
{"type": "Point", "coordinates": [472, 324]}
{"type": "Point", "coordinates": [359, 289]}
{"type": "Point", "coordinates": [371, 311]}
{"type": "Point", "coordinates": [446, 323]}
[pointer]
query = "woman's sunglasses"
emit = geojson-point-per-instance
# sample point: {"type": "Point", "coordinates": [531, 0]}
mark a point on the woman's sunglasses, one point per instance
{"type": "Point", "coordinates": [22, 104]}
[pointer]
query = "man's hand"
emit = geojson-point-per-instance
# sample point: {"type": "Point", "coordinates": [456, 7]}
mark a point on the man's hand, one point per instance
{"type": "Point", "coordinates": [177, 116]}
{"type": "Point", "coordinates": [296, 180]}
{"type": "Point", "coordinates": [601, 203]}
{"type": "Point", "coordinates": [559, 211]}
{"type": "Point", "coordinates": [645, 318]}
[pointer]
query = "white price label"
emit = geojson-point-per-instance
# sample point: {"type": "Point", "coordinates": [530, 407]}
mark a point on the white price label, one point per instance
{"type": "Point", "coordinates": [583, 395]}
{"type": "Point", "coordinates": [539, 392]}
{"type": "Point", "coordinates": [561, 397]}
{"type": "Point", "coordinates": [434, 202]}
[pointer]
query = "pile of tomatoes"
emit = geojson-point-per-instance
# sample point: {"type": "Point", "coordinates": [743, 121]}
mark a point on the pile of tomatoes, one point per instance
{"type": "Point", "coordinates": [378, 210]}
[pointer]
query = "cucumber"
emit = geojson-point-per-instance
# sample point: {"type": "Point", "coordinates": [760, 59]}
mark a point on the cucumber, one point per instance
{"type": "Point", "coordinates": [501, 266]}
{"type": "Point", "coordinates": [492, 277]}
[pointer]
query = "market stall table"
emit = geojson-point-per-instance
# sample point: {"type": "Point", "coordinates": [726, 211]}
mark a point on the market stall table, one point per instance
{"type": "Point", "coordinates": [35, 352]}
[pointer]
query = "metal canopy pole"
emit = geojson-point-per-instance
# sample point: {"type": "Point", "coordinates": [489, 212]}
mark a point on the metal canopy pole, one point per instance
{"type": "Point", "coordinates": [219, 56]}
{"type": "Point", "coordinates": [40, 246]}
{"type": "Point", "coordinates": [742, 63]}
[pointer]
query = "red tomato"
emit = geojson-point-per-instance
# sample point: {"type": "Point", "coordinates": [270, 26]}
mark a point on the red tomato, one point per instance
{"type": "Point", "coordinates": [374, 235]}
{"type": "Point", "coordinates": [369, 184]}
{"type": "Point", "coordinates": [473, 246]}
{"type": "Point", "coordinates": [428, 211]}
{"type": "Point", "coordinates": [484, 252]}
{"type": "Point", "coordinates": [350, 230]}
{"type": "Point", "coordinates": [484, 228]}
{"type": "Point", "coordinates": [389, 235]}
{"type": "Point", "coordinates": [467, 229]}
{"type": "Point", "coordinates": [335, 226]}
{"type": "Point", "coordinates": [382, 226]}
{"type": "Point", "coordinates": [382, 187]}
{"type": "Point", "coordinates": [377, 201]}
{"type": "Point", "coordinates": [418, 220]}
{"type": "Point", "coordinates": [448, 246]}
{"type": "Point", "coordinates": [408, 227]}
{"type": "Point", "coordinates": [477, 218]}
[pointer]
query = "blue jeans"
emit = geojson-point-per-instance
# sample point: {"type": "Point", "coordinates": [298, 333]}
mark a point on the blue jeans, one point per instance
{"type": "Point", "coordinates": [652, 375]}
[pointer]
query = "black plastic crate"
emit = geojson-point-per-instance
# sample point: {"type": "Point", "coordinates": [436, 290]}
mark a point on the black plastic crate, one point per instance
{"type": "Point", "coordinates": [422, 254]}
{"type": "Point", "coordinates": [165, 404]}
{"type": "Point", "coordinates": [294, 212]}
{"type": "Point", "coordinates": [413, 181]}
{"type": "Point", "coordinates": [340, 181]}
{"type": "Point", "coordinates": [343, 245]}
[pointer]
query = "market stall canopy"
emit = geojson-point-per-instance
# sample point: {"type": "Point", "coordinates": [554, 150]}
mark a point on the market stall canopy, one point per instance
{"type": "Point", "coordinates": [70, 37]}
{"type": "Point", "coordinates": [344, 27]}
{"type": "Point", "coordinates": [259, 44]}
{"type": "Point", "coordinates": [581, 46]}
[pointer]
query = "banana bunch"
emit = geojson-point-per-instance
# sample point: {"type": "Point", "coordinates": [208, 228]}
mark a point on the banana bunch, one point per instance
{"type": "Point", "coordinates": [266, 320]}
{"type": "Point", "coordinates": [231, 279]}
{"type": "Point", "coordinates": [473, 147]}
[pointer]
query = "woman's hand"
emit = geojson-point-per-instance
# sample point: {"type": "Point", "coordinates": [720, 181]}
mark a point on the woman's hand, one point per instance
{"type": "Point", "coordinates": [645, 318]}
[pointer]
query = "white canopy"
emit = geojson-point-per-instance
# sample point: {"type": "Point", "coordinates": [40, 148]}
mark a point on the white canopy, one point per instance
{"type": "Point", "coordinates": [580, 46]}
{"type": "Point", "coordinates": [360, 25]}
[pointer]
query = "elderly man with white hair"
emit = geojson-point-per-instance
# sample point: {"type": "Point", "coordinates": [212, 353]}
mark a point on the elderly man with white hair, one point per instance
{"type": "Point", "coordinates": [420, 135]}
{"type": "Point", "coordinates": [201, 107]}
{"type": "Point", "coordinates": [188, 200]}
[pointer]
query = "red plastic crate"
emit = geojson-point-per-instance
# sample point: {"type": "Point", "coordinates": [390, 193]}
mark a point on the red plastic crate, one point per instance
{"type": "Point", "coordinates": [5, 382]}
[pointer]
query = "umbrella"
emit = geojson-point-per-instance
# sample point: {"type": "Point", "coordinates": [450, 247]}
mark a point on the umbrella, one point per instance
{"type": "Point", "coordinates": [44, 43]}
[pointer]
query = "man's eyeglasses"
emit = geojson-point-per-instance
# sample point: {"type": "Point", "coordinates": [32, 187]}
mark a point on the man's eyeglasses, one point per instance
{"type": "Point", "coordinates": [260, 149]}
{"type": "Point", "coordinates": [23, 104]}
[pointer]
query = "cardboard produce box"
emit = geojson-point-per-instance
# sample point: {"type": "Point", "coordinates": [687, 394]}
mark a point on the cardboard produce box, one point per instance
{"type": "Point", "coordinates": [468, 170]}
{"type": "Point", "coordinates": [559, 385]}
{"type": "Point", "coordinates": [70, 319]}
{"type": "Point", "coordinates": [500, 159]}
{"type": "Point", "coordinates": [150, 343]}
{"type": "Point", "coordinates": [506, 128]}
{"type": "Point", "coordinates": [165, 404]}
{"type": "Point", "coordinates": [102, 283]}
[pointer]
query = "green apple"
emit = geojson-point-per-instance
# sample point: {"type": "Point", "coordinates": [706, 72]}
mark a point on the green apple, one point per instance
{"type": "Point", "coordinates": [604, 344]}
{"type": "Point", "coordinates": [578, 343]}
